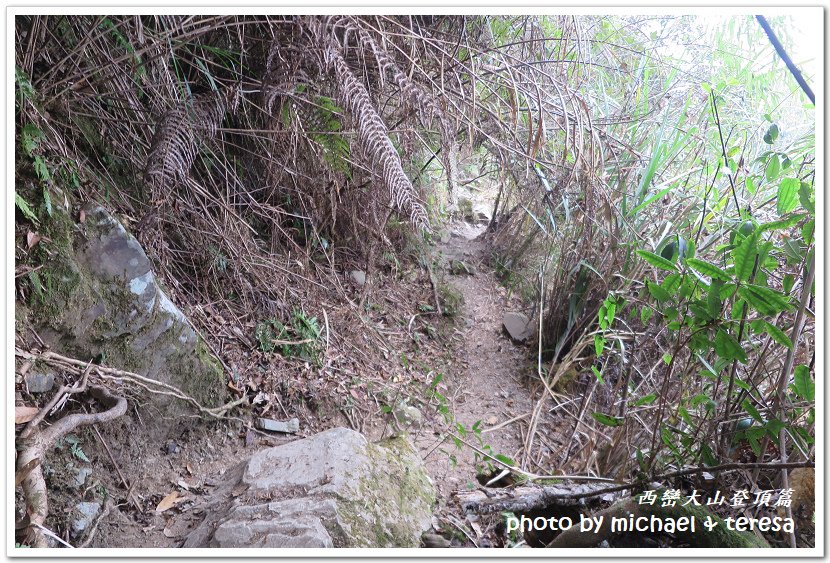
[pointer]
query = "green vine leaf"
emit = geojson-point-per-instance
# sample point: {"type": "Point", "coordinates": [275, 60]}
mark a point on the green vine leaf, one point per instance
{"type": "Point", "coordinates": [607, 419]}
{"type": "Point", "coordinates": [773, 168]}
{"type": "Point", "coordinates": [752, 411]}
{"type": "Point", "coordinates": [803, 384]}
{"type": "Point", "coordinates": [778, 335]}
{"type": "Point", "coordinates": [658, 292]}
{"type": "Point", "coordinates": [744, 255]}
{"type": "Point", "coordinates": [806, 197]}
{"type": "Point", "coordinates": [728, 348]}
{"type": "Point", "coordinates": [787, 195]}
{"type": "Point", "coordinates": [708, 269]}
{"type": "Point", "coordinates": [766, 301]}
{"type": "Point", "coordinates": [784, 223]}
{"type": "Point", "coordinates": [657, 261]}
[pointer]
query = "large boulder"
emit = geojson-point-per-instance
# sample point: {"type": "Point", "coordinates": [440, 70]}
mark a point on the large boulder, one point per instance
{"type": "Point", "coordinates": [334, 489]}
{"type": "Point", "coordinates": [102, 299]}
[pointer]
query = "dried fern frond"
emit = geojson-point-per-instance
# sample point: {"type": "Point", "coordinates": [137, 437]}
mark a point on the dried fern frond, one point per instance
{"type": "Point", "coordinates": [179, 134]}
{"type": "Point", "coordinates": [419, 98]}
{"type": "Point", "coordinates": [373, 135]}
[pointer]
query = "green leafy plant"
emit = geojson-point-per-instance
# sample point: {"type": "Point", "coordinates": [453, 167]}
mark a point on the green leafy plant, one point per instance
{"type": "Point", "coordinates": [74, 445]}
{"type": "Point", "coordinates": [720, 306]}
{"type": "Point", "coordinates": [299, 339]}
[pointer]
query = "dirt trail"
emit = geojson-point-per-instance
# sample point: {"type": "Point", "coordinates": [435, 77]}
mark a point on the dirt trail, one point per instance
{"type": "Point", "coordinates": [489, 381]}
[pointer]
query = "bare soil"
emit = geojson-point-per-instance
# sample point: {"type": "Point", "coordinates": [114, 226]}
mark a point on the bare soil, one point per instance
{"type": "Point", "coordinates": [490, 385]}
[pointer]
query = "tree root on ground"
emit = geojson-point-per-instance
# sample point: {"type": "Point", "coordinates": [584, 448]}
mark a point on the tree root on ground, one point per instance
{"type": "Point", "coordinates": [34, 443]}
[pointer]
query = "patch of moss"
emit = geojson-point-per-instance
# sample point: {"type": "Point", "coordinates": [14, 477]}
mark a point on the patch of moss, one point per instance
{"type": "Point", "coordinates": [386, 512]}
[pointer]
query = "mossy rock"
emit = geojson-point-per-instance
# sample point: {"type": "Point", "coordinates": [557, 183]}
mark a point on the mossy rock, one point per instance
{"type": "Point", "coordinates": [334, 489]}
{"type": "Point", "coordinates": [99, 297]}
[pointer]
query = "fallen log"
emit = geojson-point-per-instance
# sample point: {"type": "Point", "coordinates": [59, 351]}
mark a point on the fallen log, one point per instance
{"type": "Point", "coordinates": [527, 498]}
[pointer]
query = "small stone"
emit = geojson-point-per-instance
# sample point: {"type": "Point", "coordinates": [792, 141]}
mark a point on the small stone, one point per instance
{"type": "Point", "coordinates": [290, 427]}
{"type": "Point", "coordinates": [83, 515]}
{"type": "Point", "coordinates": [458, 268]}
{"type": "Point", "coordinates": [517, 326]}
{"type": "Point", "coordinates": [407, 415]}
{"type": "Point", "coordinates": [358, 276]}
{"type": "Point", "coordinates": [81, 475]}
{"type": "Point", "coordinates": [40, 382]}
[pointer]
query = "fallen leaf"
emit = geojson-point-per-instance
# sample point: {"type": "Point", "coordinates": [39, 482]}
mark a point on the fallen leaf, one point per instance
{"type": "Point", "coordinates": [168, 502]}
{"type": "Point", "coordinates": [32, 239]}
{"type": "Point", "coordinates": [24, 414]}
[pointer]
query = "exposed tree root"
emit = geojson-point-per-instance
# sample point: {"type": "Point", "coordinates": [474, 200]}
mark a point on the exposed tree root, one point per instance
{"type": "Point", "coordinates": [34, 443]}
{"type": "Point", "coordinates": [148, 384]}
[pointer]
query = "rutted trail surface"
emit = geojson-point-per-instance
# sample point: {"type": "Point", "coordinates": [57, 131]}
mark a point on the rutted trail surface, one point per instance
{"type": "Point", "coordinates": [488, 382]}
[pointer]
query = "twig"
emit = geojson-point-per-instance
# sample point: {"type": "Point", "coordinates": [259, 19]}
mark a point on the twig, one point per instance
{"type": "Point", "coordinates": [108, 505]}
{"type": "Point", "coordinates": [434, 287]}
{"type": "Point", "coordinates": [65, 390]}
{"type": "Point", "coordinates": [51, 534]}
{"type": "Point", "coordinates": [462, 530]}
{"type": "Point", "coordinates": [505, 423]}
{"type": "Point", "coordinates": [130, 496]}
{"type": "Point", "coordinates": [108, 373]}
{"type": "Point", "coordinates": [537, 497]}
{"type": "Point", "coordinates": [786, 58]}
{"type": "Point", "coordinates": [35, 446]}
{"type": "Point", "coordinates": [326, 319]}
{"type": "Point", "coordinates": [528, 474]}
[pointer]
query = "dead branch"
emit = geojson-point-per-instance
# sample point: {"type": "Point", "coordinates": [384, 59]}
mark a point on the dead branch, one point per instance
{"type": "Point", "coordinates": [525, 498]}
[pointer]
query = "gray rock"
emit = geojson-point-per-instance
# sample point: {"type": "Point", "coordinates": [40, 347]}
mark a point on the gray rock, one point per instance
{"type": "Point", "coordinates": [517, 326]}
{"type": "Point", "coordinates": [334, 489]}
{"type": "Point", "coordinates": [80, 477]}
{"type": "Point", "coordinates": [408, 416]}
{"type": "Point", "coordinates": [482, 212]}
{"type": "Point", "coordinates": [289, 427]}
{"type": "Point", "coordinates": [459, 267]}
{"type": "Point", "coordinates": [83, 515]}
{"type": "Point", "coordinates": [107, 301]}
{"type": "Point", "coordinates": [358, 276]}
{"type": "Point", "coordinates": [290, 523]}
{"type": "Point", "coordinates": [40, 382]}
